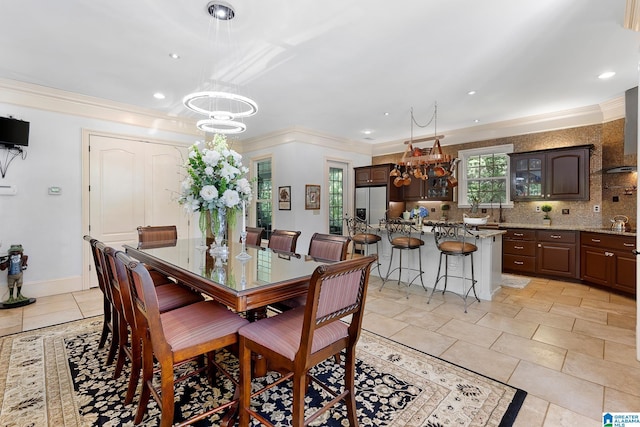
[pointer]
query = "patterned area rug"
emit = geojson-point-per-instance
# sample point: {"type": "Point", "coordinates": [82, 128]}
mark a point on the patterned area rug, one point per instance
{"type": "Point", "coordinates": [57, 376]}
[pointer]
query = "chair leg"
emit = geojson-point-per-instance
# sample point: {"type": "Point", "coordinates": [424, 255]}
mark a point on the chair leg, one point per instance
{"type": "Point", "coordinates": [349, 385]}
{"type": "Point", "coordinates": [377, 260]}
{"type": "Point", "coordinates": [147, 378]}
{"type": "Point", "coordinates": [134, 376]}
{"type": "Point", "coordinates": [446, 273]}
{"type": "Point", "coordinates": [400, 267]}
{"type": "Point", "coordinates": [115, 336]}
{"type": "Point", "coordinates": [435, 285]}
{"type": "Point", "coordinates": [299, 390]}
{"type": "Point", "coordinates": [106, 309]}
{"type": "Point", "coordinates": [167, 397]}
{"type": "Point", "coordinates": [244, 360]}
{"type": "Point", "coordinates": [123, 341]}
{"type": "Point", "coordinates": [388, 270]}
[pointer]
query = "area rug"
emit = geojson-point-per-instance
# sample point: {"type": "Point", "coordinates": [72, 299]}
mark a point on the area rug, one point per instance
{"type": "Point", "coordinates": [57, 376]}
{"type": "Point", "coordinates": [514, 281]}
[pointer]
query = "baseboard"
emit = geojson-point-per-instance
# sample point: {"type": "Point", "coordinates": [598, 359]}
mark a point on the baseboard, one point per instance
{"type": "Point", "coordinates": [46, 288]}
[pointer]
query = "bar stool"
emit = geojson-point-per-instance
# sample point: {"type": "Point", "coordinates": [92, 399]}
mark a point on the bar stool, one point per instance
{"type": "Point", "coordinates": [363, 235]}
{"type": "Point", "coordinates": [452, 240]}
{"type": "Point", "coordinates": [401, 237]}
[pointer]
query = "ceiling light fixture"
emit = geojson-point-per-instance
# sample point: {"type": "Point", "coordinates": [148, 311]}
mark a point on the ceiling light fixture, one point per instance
{"type": "Point", "coordinates": [471, 92]}
{"type": "Point", "coordinates": [158, 95]}
{"type": "Point", "coordinates": [222, 107]}
{"type": "Point", "coordinates": [606, 75]}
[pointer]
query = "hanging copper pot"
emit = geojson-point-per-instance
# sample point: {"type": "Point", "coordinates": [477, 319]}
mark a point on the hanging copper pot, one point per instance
{"type": "Point", "coordinates": [406, 178]}
{"type": "Point", "coordinates": [398, 181]}
{"type": "Point", "coordinates": [395, 172]}
{"type": "Point", "coordinates": [452, 181]}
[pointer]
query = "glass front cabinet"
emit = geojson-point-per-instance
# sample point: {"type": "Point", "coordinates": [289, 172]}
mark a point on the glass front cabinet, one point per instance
{"type": "Point", "coordinates": [556, 174]}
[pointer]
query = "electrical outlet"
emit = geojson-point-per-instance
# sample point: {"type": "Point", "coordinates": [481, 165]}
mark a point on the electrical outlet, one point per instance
{"type": "Point", "coordinates": [596, 208]}
{"type": "Point", "coordinates": [538, 209]}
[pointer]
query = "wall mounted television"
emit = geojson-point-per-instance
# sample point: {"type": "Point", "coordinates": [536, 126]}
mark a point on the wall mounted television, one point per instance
{"type": "Point", "coordinates": [14, 132]}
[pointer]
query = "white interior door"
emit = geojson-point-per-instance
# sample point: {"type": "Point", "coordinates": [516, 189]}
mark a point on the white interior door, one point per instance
{"type": "Point", "coordinates": [163, 175]}
{"type": "Point", "coordinates": [132, 183]}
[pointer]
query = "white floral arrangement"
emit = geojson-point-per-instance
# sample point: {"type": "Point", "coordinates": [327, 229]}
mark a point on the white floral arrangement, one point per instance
{"type": "Point", "coordinates": [215, 179]}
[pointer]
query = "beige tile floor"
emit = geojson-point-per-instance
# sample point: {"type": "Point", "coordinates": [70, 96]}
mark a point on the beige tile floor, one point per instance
{"type": "Point", "coordinates": [570, 346]}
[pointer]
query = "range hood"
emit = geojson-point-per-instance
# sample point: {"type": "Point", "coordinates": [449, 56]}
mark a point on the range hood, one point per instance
{"type": "Point", "coordinates": [621, 169]}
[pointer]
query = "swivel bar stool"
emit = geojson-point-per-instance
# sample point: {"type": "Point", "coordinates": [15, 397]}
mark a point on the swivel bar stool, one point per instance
{"type": "Point", "coordinates": [362, 236]}
{"type": "Point", "coordinates": [452, 240]}
{"type": "Point", "coordinates": [401, 235]}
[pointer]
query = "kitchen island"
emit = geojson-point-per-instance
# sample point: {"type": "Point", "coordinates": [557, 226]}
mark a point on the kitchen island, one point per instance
{"type": "Point", "coordinates": [487, 263]}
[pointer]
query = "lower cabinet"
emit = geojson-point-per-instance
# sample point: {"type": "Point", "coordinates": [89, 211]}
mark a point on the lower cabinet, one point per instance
{"type": "Point", "coordinates": [608, 260]}
{"type": "Point", "coordinates": [548, 252]}
{"type": "Point", "coordinates": [556, 253]}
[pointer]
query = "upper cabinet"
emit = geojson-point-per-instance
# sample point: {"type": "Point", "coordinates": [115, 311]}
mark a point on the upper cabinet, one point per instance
{"type": "Point", "coordinates": [436, 188]}
{"type": "Point", "coordinates": [378, 176]}
{"type": "Point", "coordinates": [372, 175]}
{"type": "Point", "coordinates": [557, 174]}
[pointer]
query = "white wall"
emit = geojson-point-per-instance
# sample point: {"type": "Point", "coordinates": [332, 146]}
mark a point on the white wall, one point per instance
{"type": "Point", "coordinates": [303, 161]}
{"type": "Point", "coordinates": [50, 227]}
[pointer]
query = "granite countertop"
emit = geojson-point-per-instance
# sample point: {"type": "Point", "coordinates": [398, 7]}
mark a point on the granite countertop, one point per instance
{"type": "Point", "coordinates": [602, 230]}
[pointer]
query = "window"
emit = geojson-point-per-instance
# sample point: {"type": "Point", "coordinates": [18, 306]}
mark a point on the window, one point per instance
{"type": "Point", "coordinates": [336, 200]}
{"type": "Point", "coordinates": [264, 195]}
{"type": "Point", "coordinates": [484, 176]}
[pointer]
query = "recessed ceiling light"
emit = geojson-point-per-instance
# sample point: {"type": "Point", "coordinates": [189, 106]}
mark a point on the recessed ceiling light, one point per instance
{"type": "Point", "coordinates": [607, 75]}
{"type": "Point", "coordinates": [471, 92]}
{"type": "Point", "coordinates": [174, 55]}
{"type": "Point", "coordinates": [476, 121]}
{"type": "Point", "coordinates": [386, 113]}
{"type": "Point", "coordinates": [158, 95]}
{"type": "Point", "coordinates": [367, 131]}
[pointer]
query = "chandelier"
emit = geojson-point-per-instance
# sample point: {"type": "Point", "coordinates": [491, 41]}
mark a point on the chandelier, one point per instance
{"type": "Point", "coordinates": [424, 163]}
{"type": "Point", "coordinates": [222, 108]}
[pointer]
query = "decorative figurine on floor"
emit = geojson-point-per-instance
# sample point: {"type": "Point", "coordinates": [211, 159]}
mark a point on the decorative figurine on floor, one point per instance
{"type": "Point", "coordinates": [16, 262]}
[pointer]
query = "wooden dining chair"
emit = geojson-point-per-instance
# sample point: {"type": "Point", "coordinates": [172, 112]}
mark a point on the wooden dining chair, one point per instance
{"type": "Point", "coordinates": [329, 247]}
{"type": "Point", "coordinates": [255, 236]}
{"type": "Point", "coordinates": [175, 337]}
{"type": "Point", "coordinates": [283, 240]}
{"type": "Point", "coordinates": [170, 297]}
{"type": "Point", "coordinates": [107, 305]}
{"type": "Point", "coordinates": [157, 236]}
{"type": "Point", "coordinates": [295, 341]}
{"type": "Point", "coordinates": [322, 247]}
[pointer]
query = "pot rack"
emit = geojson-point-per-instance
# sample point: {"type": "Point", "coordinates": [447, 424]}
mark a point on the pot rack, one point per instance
{"type": "Point", "coordinates": [424, 163]}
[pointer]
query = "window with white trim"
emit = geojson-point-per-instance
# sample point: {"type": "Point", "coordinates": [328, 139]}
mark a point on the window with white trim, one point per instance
{"type": "Point", "coordinates": [484, 176]}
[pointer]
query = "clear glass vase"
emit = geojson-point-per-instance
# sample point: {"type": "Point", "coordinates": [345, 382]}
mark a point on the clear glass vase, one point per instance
{"type": "Point", "coordinates": [219, 230]}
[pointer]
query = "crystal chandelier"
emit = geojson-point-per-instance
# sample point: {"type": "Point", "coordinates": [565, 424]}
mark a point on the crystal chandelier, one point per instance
{"type": "Point", "coordinates": [221, 107]}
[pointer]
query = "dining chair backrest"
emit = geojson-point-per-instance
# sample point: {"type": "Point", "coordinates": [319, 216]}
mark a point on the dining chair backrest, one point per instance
{"type": "Point", "coordinates": [97, 262]}
{"type": "Point", "coordinates": [157, 236]}
{"type": "Point", "coordinates": [335, 291]}
{"type": "Point", "coordinates": [117, 275]}
{"type": "Point", "coordinates": [255, 236]}
{"type": "Point", "coordinates": [283, 240]}
{"type": "Point", "coordinates": [329, 247]}
{"type": "Point", "coordinates": [144, 298]}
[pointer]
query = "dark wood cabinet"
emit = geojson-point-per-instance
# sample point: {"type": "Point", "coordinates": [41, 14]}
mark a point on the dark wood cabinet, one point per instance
{"type": "Point", "coordinates": [557, 174]}
{"type": "Point", "coordinates": [436, 189]}
{"type": "Point", "coordinates": [608, 260]}
{"type": "Point", "coordinates": [547, 252]}
{"type": "Point", "coordinates": [519, 251]}
{"type": "Point", "coordinates": [556, 253]}
{"type": "Point", "coordinates": [372, 175]}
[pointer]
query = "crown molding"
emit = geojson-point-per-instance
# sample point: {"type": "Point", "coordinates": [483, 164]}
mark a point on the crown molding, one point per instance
{"type": "Point", "coordinates": [302, 135]}
{"type": "Point", "coordinates": [577, 117]}
{"type": "Point", "coordinates": [49, 99]}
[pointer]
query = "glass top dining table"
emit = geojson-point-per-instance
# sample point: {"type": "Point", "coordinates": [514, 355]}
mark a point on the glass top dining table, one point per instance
{"type": "Point", "coordinates": [265, 278]}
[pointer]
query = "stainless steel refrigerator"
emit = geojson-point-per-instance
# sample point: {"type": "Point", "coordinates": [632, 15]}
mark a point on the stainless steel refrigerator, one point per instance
{"type": "Point", "coordinates": [371, 203]}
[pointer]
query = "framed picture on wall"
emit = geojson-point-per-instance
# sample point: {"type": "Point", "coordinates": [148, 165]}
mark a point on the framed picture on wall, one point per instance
{"type": "Point", "coordinates": [312, 196]}
{"type": "Point", "coordinates": [284, 198]}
